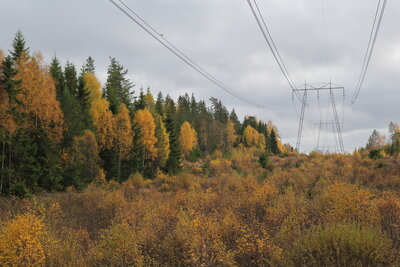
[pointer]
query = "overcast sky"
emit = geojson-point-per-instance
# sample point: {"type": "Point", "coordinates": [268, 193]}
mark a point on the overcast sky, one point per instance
{"type": "Point", "coordinates": [222, 36]}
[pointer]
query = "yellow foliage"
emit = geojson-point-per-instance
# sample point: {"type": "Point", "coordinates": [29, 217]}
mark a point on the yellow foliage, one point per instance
{"type": "Point", "coordinates": [38, 96]}
{"type": "Point", "coordinates": [219, 166]}
{"type": "Point", "coordinates": [345, 202]}
{"type": "Point", "coordinates": [162, 142]}
{"type": "Point", "coordinates": [103, 120]}
{"type": "Point", "coordinates": [187, 138]}
{"type": "Point", "coordinates": [118, 246]}
{"type": "Point", "coordinates": [123, 132]}
{"type": "Point", "coordinates": [7, 121]}
{"type": "Point", "coordinates": [93, 85]}
{"type": "Point", "coordinates": [21, 241]}
{"type": "Point", "coordinates": [252, 137]}
{"type": "Point", "coordinates": [231, 136]}
{"type": "Point", "coordinates": [145, 124]}
{"type": "Point", "coordinates": [149, 100]}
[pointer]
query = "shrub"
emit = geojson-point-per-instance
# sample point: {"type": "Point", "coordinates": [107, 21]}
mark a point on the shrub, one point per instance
{"type": "Point", "coordinates": [21, 241]}
{"type": "Point", "coordinates": [219, 166]}
{"type": "Point", "coordinates": [342, 245]}
{"type": "Point", "coordinates": [118, 246]}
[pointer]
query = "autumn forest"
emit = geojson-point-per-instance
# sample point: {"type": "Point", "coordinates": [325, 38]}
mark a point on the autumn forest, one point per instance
{"type": "Point", "coordinates": [115, 175]}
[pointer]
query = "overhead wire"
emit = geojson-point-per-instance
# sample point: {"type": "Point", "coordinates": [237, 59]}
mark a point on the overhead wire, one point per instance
{"type": "Point", "coordinates": [271, 44]}
{"type": "Point", "coordinates": [325, 35]}
{"type": "Point", "coordinates": [370, 48]}
{"type": "Point", "coordinates": [173, 49]}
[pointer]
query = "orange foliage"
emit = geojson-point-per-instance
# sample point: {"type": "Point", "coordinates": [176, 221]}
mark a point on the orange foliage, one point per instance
{"type": "Point", "coordinates": [231, 136]}
{"type": "Point", "coordinates": [123, 131]}
{"type": "Point", "coordinates": [21, 241]}
{"type": "Point", "coordinates": [187, 138]}
{"type": "Point", "coordinates": [252, 137]}
{"type": "Point", "coordinates": [146, 125]}
{"type": "Point", "coordinates": [38, 96]}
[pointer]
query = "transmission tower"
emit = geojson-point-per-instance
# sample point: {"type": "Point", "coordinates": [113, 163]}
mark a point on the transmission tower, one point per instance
{"type": "Point", "coordinates": [327, 87]}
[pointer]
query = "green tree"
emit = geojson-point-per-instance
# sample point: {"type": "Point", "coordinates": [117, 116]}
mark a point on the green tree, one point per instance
{"type": "Point", "coordinates": [118, 88]}
{"type": "Point", "coordinates": [82, 164]}
{"type": "Point", "coordinates": [89, 66]}
{"type": "Point", "coordinates": [160, 105]}
{"type": "Point", "coordinates": [175, 155]}
{"type": "Point", "coordinates": [273, 142]}
{"type": "Point", "coordinates": [19, 46]}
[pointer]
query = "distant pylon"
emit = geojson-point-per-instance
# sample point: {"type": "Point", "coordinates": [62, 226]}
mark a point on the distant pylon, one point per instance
{"type": "Point", "coordinates": [337, 127]}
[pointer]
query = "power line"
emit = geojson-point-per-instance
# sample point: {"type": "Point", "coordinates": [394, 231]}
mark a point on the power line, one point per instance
{"type": "Point", "coordinates": [162, 40]}
{"type": "Point", "coordinates": [370, 48]}
{"type": "Point", "coordinates": [325, 35]}
{"type": "Point", "coordinates": [271, 44]}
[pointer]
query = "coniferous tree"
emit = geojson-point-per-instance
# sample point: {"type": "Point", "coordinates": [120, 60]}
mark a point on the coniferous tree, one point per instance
{"type": "Point", "coordinates": [82, 164]}
{"type": "Point", "coordinates": [71, 79]}
{"type": "Point", "coordinates": [118, 88]}
{"type": "Point", "coordinates": [58, 77]}
{"type": "Point", "coordinates": [140, 102]}
{"type": "Point", "coordinates": [175, 155]}
{"type": "Point", "coordinates": [19, 46]}
{"type": "Point", "coordinates": [234, 118]}
{"type": "Point", "coordinates": [76, 119]}
{"type": "Point", "coordinates": [89, 66]}
{"type": "Point", "coordinates": [273, 142]}
{"type": "Point", "coordinates": [221, 114]}
{"type": "Point", "coordinates": [160, 105]}
{"type": "Point", "coordinates": [83, 94]}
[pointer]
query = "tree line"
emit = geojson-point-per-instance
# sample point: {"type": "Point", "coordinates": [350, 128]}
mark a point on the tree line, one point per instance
{"type": "Point", "coordinates": [59, 127]}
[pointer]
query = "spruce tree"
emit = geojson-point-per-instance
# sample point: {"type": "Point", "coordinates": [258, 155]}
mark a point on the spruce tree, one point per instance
{"type": "Point", "coordinates": [140, 102]}
{"type": "Point", "coordinates": [75, 117]}
{"type": "Point", "coordinates": [18, 46]}
{"type": "Point", "coordinates": [89, 65]}
{"type": "Point", "coordinates": [273, 142]}
{"type": "Point", "coordinates": [221, 114]}
{"type": "Point", "coordinates": [160, 105]}
{"type": "Point", "coordinates": [71, 79]}
{"type": "Point", "coordinates": [83, 94]}
{"type": "Point", "coordinates": [118, 88]}
{"type": "Point", "coordinates": [175, 155]}
{"type": "Point", "coordinates": [58, 77]}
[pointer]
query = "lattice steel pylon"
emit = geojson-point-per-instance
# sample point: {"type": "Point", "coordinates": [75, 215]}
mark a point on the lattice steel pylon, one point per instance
{"type": "Point", "coordinates": [325, 87]}
{"type": "Point", "coordinates": [301, 122]}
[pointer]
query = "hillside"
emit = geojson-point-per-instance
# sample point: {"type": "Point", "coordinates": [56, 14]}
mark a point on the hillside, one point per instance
{"type": "Point", "coordinates": [315, 210]}
{"type": "Point", "coordinates": [109, 175]}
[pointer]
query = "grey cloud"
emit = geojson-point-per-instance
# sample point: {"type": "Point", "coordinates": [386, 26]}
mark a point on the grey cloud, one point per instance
{"type": "Point", "coordinates": [222, 36]}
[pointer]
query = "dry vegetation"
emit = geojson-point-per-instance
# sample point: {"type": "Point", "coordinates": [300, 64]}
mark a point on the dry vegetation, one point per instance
{"type": "Point", "coordinates": [317, 210]}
